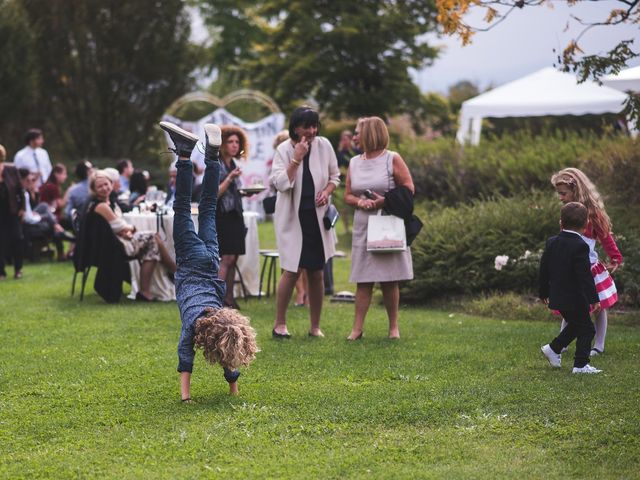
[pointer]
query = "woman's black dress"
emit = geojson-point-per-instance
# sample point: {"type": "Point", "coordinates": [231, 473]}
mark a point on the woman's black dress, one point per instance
{"type": "Point", "coordinates": [312, 255]}
{"type": "Point", "coordinates": [229, 220]}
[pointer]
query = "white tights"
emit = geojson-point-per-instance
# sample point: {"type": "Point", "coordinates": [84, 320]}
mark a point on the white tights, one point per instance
{"type": "Point", "coordinates": [601, 329]}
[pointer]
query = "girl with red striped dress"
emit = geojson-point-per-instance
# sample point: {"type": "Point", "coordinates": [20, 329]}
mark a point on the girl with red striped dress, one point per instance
{"type": "Point", "coordinates": [572, 185]}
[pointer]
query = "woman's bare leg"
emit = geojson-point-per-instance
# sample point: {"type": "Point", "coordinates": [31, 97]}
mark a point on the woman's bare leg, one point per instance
{"type": "Point", "coordinates": [283, 297]}
{"type": "Point", "coordinates": [146, 272]}
{"type": "Point", "coordinates": [364, 292]}
{"type": "Point", "coordinates": [315, 292]}
{"type": "Point", "coordinates": [227, 273]}
{"type": "Point", "coordinates": [165, 257]}
{"type": "Point", "coordinates": [391, 299]}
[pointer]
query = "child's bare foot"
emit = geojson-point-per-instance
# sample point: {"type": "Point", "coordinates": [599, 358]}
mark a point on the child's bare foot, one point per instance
{"type": "Point", "coordinates": [233, 388]}
{"type": "Point", "coordinates": [394, 334]}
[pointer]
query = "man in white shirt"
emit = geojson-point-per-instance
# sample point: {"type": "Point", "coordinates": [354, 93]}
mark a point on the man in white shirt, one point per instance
{"type": "Point", "coordinates": [33, 157]}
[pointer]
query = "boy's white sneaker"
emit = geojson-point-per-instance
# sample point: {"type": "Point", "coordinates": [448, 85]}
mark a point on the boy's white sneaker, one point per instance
{"type": "Point", "coordinates": [213, 137]}
{"type": "Point", "coordinates": [586, 369]}
{"type": "Point", "coordinates": [213, 134]}
{"type": "Point", "coordinates": [554, 358]}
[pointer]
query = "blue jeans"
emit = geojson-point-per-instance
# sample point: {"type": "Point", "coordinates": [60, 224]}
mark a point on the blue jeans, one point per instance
{"type": "Point", "coordinates": [191, 246]}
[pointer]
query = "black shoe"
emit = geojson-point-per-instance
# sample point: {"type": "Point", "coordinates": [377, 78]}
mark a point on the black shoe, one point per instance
{"type": "Point", "coordinates": [275, 334]}
{"type": "Point", "coordinates": [213, 140]}
{"type": "Point", "coordinates": [183, 141]}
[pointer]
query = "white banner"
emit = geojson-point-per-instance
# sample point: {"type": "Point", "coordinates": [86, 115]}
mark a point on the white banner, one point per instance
{"type": "Point", "coordinates": [261, 135]}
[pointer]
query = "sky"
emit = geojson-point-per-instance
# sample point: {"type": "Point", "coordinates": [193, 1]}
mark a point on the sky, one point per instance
{"type": "Point", "coordinates": [520, 45]}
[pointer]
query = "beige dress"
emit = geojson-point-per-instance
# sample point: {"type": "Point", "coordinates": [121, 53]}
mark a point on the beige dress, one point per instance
{"type": "Point", "coordinates": [375, 174]}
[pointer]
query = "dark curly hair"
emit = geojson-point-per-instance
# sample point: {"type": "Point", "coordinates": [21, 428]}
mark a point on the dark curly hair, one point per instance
{"type": "Point", "coordinates": [226, 337]}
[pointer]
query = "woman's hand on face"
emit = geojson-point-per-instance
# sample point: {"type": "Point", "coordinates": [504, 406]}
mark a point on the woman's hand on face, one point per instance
{"type": "Point", "coordinates": [322, 198]}
{"type": "Point", "coordinates": [301, 149]}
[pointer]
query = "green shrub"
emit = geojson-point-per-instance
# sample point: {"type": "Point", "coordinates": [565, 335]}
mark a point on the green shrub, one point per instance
{"type": "Point", "coordinates": [509, 306]}
{"type": "Point", "coordinates": [445, 172]}
{"type": "Point", "coordinates": [456, 251]}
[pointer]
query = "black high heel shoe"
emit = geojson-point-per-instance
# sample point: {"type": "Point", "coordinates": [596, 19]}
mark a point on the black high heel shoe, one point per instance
{"type": "Point", "coordinates": [275, 334]}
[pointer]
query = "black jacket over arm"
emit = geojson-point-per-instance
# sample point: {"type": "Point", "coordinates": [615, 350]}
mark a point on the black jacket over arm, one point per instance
{"type": "Point", "coordinates": [565, 273]}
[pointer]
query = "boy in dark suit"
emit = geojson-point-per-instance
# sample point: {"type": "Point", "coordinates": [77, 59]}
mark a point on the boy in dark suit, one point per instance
{"type": "Point", "coordinates": [566, 285]}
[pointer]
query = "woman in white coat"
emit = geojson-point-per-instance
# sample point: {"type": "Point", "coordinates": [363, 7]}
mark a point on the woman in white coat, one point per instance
{"type": "Point", "coordinates": [305, 173]}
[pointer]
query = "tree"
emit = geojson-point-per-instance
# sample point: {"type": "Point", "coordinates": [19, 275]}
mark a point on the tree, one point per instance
{"type": "Point", "coordinates": [451, 16]}
{"type": "Point", "coordinates": [108, 70]}
{"type": "Point", "coordinates": [460, 92]}
{"type": "Point", "coordinates": [17, 77]}
{"type": "Point", "coordinates": [351, 58]}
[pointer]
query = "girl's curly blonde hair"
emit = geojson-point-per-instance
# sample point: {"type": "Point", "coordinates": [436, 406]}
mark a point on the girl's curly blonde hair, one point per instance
{"type": "Point", "coordinates": [226, 337]}
{"type": "Point", "coordinates": [585, 192]}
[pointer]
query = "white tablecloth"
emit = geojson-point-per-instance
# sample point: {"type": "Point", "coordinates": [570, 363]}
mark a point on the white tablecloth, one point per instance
{"type": "Point", "coordinates": [161, 286]}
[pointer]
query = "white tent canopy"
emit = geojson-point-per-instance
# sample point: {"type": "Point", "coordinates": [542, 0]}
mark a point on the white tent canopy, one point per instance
{"type": "Point", "coordinates": [626, 80]}
{"type": "Point", "coordinates": [545, 92]}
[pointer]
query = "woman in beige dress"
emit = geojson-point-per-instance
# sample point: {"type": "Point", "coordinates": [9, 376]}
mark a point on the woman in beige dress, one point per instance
{"type": "Point", "coordinates": [378, 170]}
{"type": "Point", "coordinates": [305, 174]}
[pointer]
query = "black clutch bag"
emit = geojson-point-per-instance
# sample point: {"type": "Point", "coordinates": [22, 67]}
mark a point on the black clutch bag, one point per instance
{"type": "Point", "coordinates": [269, 205]}
{"type": "Point", "coordinates": [330, 218]}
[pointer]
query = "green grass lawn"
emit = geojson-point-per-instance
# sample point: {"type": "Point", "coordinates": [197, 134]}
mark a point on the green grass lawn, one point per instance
{"type": "Point", "coordinates": [90, 390]}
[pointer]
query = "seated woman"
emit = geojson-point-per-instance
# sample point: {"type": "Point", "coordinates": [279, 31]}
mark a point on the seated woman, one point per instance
{"type": "Point", "coordinates": [146, 247]}
{"type": "Point", "coordinates": [138, 186]}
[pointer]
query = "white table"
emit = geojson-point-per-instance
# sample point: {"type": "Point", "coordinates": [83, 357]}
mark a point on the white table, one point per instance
{"type": "Point", "coordinates": [161, 286]}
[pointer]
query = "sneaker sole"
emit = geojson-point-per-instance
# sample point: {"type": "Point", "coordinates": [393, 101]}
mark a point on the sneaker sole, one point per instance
{"type": "Point", "coordinates": [170, 127]}
{"type": "Point", "coordinates": [213, 133]}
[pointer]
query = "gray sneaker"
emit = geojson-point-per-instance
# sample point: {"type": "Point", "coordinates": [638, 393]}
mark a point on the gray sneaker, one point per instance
{"type": "Point", "coordinates": [213, 140]}
{"type": "Point", "coordinates": [183, 141]}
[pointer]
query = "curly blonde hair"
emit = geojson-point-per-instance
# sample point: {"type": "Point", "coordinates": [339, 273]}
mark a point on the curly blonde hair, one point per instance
{"type": "Point", "coordinates": [226, 337]}
{"type": "Point", "coordinates": [585, 192]}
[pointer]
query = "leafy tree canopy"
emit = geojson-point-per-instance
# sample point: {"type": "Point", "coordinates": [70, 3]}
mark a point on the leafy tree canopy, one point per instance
{"type": "Point", "coordinates": [352, 58]}
{"type": "Point", "coordinates": [107, 70]}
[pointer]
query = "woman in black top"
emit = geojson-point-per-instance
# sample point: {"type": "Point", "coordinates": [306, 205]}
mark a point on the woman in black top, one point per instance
{"type": "Point", "coordinates": [229, 214]}
{"type": "Point", "coordinates": [11, 204]}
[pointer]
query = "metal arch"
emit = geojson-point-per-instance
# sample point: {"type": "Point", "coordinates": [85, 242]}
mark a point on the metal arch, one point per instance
{"type": "Point", "coordinates": [243, 94]}
{"type": "Point", "coordinates": [255, 95]}
{"type": "Point", "coordinates": [194, 97]}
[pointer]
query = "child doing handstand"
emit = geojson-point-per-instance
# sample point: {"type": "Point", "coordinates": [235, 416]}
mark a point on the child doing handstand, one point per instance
{"type": "Point", "coordinates": [225, 335]}
{"type": "Point", "coordinates": [572, 185]}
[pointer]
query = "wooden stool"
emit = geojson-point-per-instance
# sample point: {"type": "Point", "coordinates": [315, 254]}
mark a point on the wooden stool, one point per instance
{"type": "Point", "coordinates": [270, 257]}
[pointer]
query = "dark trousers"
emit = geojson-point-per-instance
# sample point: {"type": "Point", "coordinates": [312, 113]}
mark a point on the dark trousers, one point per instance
{"type": "Point", "coordinates": [190, 245]}
{"type": "Point", "coordinates": [580, 327]}
{"type": "Point", "coordinates": [11, 241]}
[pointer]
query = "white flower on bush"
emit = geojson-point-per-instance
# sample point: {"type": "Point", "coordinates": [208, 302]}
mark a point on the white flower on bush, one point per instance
{"type": "Point", "coordinates": [501, 261]}
{"type": "Point", "coordinates": [526, 255]}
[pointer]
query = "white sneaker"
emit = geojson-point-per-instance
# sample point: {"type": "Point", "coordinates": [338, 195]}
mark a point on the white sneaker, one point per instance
{"type": "Point", "coordinates": [595, 352]}
{"type": "Point", "coordinates": [586, 369]}
{"type": "Point", "coordinates": [213, 133]}
{"type": "Point", "coordinates": [554, 358]}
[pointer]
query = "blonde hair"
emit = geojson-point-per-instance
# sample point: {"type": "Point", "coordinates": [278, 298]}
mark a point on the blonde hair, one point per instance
{"type": "Point", "coordinates": [230, 130]}
{"type": "Point", "coordinates": [585, 192]}
{"type": "Point", "coordinates": [281, 136]}
{"type": "Point", "coordinates": [95, 176]}
{"type": "Point", "coordinates": [373, 134]}
{"type": "Point", "coordinates": [226, 337]}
